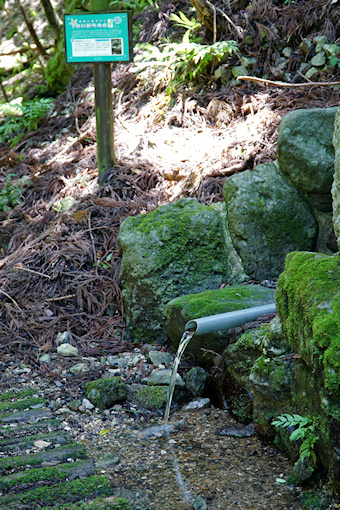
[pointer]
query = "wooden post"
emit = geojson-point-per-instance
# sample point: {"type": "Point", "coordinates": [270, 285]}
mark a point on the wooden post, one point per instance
{"type": "Point", "coordinates": [103, 105]}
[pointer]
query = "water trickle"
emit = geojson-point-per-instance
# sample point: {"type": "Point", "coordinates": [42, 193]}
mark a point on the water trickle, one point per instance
{"type": "Point", "coordinates": [187, 336]}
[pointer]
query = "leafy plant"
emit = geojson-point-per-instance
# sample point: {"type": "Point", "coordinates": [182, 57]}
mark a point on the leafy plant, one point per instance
{"type": "Point", "coordinates": [21, 117]}
{"type": "Point", "coordinates": [104, 263]}
{"type": "Point", "coordinates": [186, 62]}
{"type": "Point", "coordinates": [189, 25]}
{"type": "Point", "coordinates": [304, 431]}
{"type": "Point", "coordinates": [11, 194]}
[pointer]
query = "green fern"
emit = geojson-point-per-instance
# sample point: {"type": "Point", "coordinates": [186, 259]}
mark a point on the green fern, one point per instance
{"type": "Point", "coordinates": [22, 117]}
{"type": "Point", "coordinates": [185, 63]}
{"type": "Point", "coordinates": [305, 430]}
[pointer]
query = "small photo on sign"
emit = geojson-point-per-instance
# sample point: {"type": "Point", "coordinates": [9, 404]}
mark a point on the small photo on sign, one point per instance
{"type": "Point", "coordinates": [117, 46]}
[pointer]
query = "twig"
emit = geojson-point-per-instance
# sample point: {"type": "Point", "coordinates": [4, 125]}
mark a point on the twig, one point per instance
{"type": "Point", "coordinates": [13, 300]}
{"type": "Point", "coordinates": [214, 11]}
{"type": "Point", "coordinates": [61, 297]}
{"type": "Point", "coordinates": [92, 240]}
{"type": "Point", "coordinates": [17, 266]}
{"type": "Point", "coordinates": [284, 84]}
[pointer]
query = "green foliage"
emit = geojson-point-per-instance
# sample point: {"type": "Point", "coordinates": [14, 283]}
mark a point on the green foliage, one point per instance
{"type": "Point", "coordinates": [304, 431]}
{"type": "Point", "coordinates": [136, 6]}
{"type": "Point", "coordinates": [189, 25]}
{"type": "Point", "coordinates": [11, 194]}
{"type": "Point", "coordinates": [185, 63]}
{"type": "Point", "coordinates": [104, 263]}
{"type": "Point", "coordinates": [22, 117]}
{"type": "Point", "coordinates": [58, 73]}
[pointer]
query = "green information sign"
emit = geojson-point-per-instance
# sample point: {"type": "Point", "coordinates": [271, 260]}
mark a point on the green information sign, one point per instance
{"type": "Point", "coordinates": [103, 37]}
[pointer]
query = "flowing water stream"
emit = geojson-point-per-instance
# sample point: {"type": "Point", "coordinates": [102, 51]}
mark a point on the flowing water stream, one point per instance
{"type": "Point", "coordinates": [186, 337]}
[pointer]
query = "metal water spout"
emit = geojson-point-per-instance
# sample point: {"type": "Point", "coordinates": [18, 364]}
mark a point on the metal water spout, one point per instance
{"type": "Point", "coordinates": [223, 321]}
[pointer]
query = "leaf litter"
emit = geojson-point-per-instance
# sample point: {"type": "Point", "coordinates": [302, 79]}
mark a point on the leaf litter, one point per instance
{"type": "Point", "coordinates": [59, 260]}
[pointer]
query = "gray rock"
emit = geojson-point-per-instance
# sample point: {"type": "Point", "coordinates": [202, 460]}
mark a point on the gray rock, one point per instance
{"type": "Point", "coordinates": [177, 249]}
{"type": "Point", "coordinates": [336, 183]}
{"type": "Point", "coordinates": [79, 368]}
{"type": "Point", "coordinates": [195, 380]}
{"type": "Point", "coordinates": [162, 377]}
{"type": "Point", "coordinates": [67, 350]}
{"type": "Point", "coordinates": [45, 358]}
{"type": "Point", "coordinates": [305, 152]}
{"type": "Point", "coordinates": [198, 403]}
{"type": "Point", "coordinates": [267, 219]}
{"type": "Point", "coordinates": [62, 338]}
{"type": "Point", "coordinates": [117, 361]}
{"type": "Point", "coordinates": [160, 357]}
{"type": "Point", "coordinates": [87, 404]}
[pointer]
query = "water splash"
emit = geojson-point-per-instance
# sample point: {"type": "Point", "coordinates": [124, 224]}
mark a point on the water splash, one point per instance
{"type": "Point", "coordinates": [187, 336]}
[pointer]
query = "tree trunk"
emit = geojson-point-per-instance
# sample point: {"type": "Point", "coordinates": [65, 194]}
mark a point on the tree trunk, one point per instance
{"type": "Point", "coordinates": [52, 18]}
{"type": "Point", "coordinates": [31, 30]}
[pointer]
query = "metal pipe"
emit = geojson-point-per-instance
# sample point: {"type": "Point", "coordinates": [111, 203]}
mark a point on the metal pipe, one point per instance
{"type": "Point", "coordinates": [223, 321]}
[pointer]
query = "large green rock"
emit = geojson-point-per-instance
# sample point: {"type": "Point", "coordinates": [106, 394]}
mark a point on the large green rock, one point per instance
{"type": "Point", "coordinates": [178, 249]}
{"type": "Point", "coordinates": [306, 154]}
{"type": "Point", "coordinates": [308, 302]}
{"type": "Point", "coordinates": [104, 393]}
{"type": "Point", "coordinates": [336, 183]}
{"type": "Point", "coordinates": [267, 219]}
{"type": "Point", "coordinates": [183, 309]}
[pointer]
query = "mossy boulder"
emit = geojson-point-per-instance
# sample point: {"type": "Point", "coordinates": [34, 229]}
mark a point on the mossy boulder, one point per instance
{"type": "Point", "coordinates": [336, 183]}
{"type": "Point", "coordinates": [308, 298]}
{"type": "Point", "coordinates": [256, 368]}
{"type": "Point", "coordinates": [104, 393]}
{"type": "Point", "coordinates": [147, 397]}
{"type": "Point", "coordinates": [267, 219]}
{"type": "Point", "coordinates": [177, 249]}
{"type": "Point", "coordinates": [306, 154]}
{"type": "Point", "coordinates": [308, 302]}
{"type": "Point", "coordinates": [228, 299]}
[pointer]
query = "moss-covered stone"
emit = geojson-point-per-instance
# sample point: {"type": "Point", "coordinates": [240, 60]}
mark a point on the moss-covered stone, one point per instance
{"type": "Point", "coordinates": [306, 154]}
{"type": "Point", "coordinates": [11, 395]}
{"type": "Point", "coordinates": [104, 393]}
{"type": "Point", "coordinates": [147, 397]}
{"type": "Point", "coordinates": [72, 470]}
{"type": "Point", "coordinates": [267, 218]}
{"type": "Point", "coordinates": [336, 181]}
{"type": "Point", "coordinates": [235, 297]}
{"type": "Point", "coordinates": [20, 404]}
{"type": "Point", "coordinates": [110, 503]}
{"type": "Point", "coordinates": [177, 249]}
{"type": "Point", "coordinates": [308, 299]}
{"type": "Point", "coordinates": [74, 490]}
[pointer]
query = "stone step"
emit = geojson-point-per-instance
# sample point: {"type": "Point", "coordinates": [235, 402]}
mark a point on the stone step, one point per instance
{"type": "Point", "coordinates": [110, 503]}
{"type": "Point", "coordinates": [71, 491]}
{"type": "Point", "coordinates": [48, 425]}
{"type": "Point", "coordinates": [20, 404]}
{"type": "Point", "coordinates": [30, 416]}
{"type": "Point", "coordinates": [47, 457]}
{"type": "Point", "coordinates": [18, 444]}
{"type": "Point", "coordinates": [68, 471]}
{"type": "Point", "coordinates": [16, 395]}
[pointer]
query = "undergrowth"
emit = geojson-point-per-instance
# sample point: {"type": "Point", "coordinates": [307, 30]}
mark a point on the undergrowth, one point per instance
{"type": "Point", "coordinates": [21, 117]}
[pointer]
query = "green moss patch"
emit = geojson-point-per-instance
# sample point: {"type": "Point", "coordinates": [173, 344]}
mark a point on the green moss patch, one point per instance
{"type": "Point", "coordinates": [111, 503]}
{"type": "Point", "coordinates": [20, 405]}
{"type": "Point", "coordinates": [308, 300]}
{"type": "Point", "coordinates": [10, 395]}
{"type": "Point", "coordinates": [104, 393]}
{"type": "Point", "coordinates": [75, 490]}
{"type": "Point", "coordinates": [19, 463]}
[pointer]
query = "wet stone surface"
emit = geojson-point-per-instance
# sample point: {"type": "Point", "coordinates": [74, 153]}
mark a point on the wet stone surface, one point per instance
{"type": "Point", "coordinates": [168, 468]}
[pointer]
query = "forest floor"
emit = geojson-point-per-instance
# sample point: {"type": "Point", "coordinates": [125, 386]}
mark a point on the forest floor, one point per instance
{"type": "Point", "coordinates": [59, 261]}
